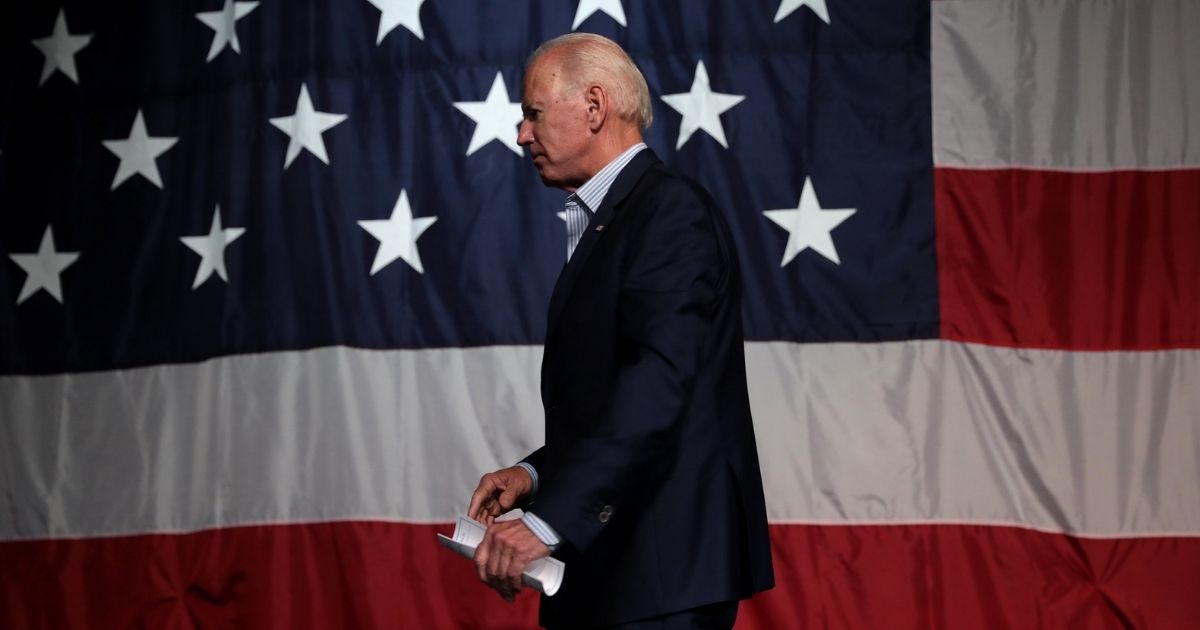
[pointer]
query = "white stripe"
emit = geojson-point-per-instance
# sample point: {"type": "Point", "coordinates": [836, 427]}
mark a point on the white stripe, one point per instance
{"type": "Point", "coordinates": [1096, 444]}
{"type": "Point", "coordinates": [1082, 85]}
{"type": "Point", "coordinates": [325, 434]}
{"type": "Point", "coordinates": [1099, 444]}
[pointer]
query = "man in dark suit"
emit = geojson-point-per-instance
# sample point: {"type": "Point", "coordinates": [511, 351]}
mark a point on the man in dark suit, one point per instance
{"type": "Point", "coordinates": [648, 485]}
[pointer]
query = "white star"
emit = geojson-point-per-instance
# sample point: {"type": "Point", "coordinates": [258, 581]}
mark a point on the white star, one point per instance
{"type": "Point", "coordinates": [587, 7]}
{"type": "Point", "coordinates": [786, 7]}
{"type": "Point", "coordinates": [60, 49]}
{"type": "Point", "coordinates": [398, 236]}
{"type": "Point", "coordinates": [304, 128]}
{"type": "Point", "coordinates": [138, 153]}
{"type": "Point", "coordinates": [701, 108]}
{"type": "Point", "coordinates": [211, 248]}
{"type": "Point", "coordinates": [43, 268]}
{"type": "Point", "coordinates": [406, 13]}
{"type": "Point", "coordinates": [224, 25]}
{"type": "Point", "coordinates": [495, 118]}
{"type": "Point", "coordinates": [809, 225]}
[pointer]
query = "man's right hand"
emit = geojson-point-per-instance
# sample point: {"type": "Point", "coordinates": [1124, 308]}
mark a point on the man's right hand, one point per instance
{"type": "Point", "coordinates": [499, 492]}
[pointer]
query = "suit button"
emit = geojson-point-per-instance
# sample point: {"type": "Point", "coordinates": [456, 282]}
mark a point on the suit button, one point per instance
{"type": "Point", "coordinates": [605, 514]}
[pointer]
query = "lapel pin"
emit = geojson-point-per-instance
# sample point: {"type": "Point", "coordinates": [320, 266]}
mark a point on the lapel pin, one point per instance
{"type": "Point", "coordinates": [600, 228]}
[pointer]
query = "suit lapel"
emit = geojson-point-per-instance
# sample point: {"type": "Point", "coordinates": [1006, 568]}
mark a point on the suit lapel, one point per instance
{"type": "Point", "coordinates": [603, 217]}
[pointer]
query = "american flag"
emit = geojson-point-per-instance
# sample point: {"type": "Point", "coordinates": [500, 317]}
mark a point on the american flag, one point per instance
{"type": "Point", "coordinates": [274, 277]}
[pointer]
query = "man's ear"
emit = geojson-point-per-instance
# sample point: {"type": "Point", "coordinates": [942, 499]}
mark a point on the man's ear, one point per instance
{"type": "Point", "coordinates": [597, 104]}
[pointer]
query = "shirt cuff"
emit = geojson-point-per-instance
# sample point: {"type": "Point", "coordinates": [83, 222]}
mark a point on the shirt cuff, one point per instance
{"type": "Point", "coordinates": [533, 474]}
{"type": "Point", "coordinates": [542, 530]}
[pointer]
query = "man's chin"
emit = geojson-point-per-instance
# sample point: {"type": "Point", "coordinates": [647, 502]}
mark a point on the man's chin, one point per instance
{"type": "Point", "coordinates": [547, 181]}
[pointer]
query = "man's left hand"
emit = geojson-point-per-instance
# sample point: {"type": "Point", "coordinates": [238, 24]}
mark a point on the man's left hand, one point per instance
{"type": "Point", "coordinates": [507, 548]}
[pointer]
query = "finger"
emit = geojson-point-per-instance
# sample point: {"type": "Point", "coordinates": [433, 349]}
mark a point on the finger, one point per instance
{"type": "Point", "coordinates": [489, 510]}
{"type": "Point", "coordinates": [508, 559]}
{"type": "Point", "coordinates": [514, 585]}
{"type": "Point", "coordinates": [497, 561]}
{"type": "Point", "coordinates": [513, 572]}
{"type": "Point", "coordinates": [480, 512]}
{"type": "Point", "coordinates": [502, 587]}
{"type": "Point", "coordinates": [509, 588]}
{"type": "Point", "coordinates": [497, 585]}
{"type": "Point", "coordinates": [483, 491]}
{"type": "Point", "coordinates": [482, 555]}
{"type": "Point", "coordinates": [503, 591]}
{"type": "Point", "coordinates": [508, 499]}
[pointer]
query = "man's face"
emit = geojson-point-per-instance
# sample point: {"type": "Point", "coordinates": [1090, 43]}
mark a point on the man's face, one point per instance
{"type": "Point", "coordinates": [555, 127]}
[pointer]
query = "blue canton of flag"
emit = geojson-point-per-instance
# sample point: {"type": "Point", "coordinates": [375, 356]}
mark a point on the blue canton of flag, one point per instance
{"type": "Point", "coordinates": [270, 176]}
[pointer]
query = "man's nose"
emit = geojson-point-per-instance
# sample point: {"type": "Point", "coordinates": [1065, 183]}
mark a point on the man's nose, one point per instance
{"type": "Point", "coordinates": [525, 133]}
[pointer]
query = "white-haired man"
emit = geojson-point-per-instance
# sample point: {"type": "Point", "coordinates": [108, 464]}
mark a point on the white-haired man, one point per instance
{"type": "Point", "coordinates": [648, 484]}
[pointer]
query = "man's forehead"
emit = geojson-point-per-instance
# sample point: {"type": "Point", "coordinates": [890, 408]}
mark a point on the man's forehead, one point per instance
{"type": "Point", "coordinates": [546, 68]}
{"type": "Point", "coordinates": [540, 78]}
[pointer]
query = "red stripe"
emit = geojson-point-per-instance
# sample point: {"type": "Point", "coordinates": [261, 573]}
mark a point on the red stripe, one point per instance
{"type": "Point", "coordinates": [385, 575]}
{"type": "Point", "coordinates": [339, 575]}
{"type": "Point", "coordinates": [1085, 261]}
{"type": "Point", "coordinates": [957, 576]}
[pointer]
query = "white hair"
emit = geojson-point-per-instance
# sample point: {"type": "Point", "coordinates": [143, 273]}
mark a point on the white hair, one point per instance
{"type": "Point", "coordinates": [590, 59]}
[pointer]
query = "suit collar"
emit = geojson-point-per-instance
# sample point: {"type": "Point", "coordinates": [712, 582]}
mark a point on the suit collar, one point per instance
{"type": "Point", "coordinates": [627, 178]}
{"type": "Point", "coordinates": [604, 215]}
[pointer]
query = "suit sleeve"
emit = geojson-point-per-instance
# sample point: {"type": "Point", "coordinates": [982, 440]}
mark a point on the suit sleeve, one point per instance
{"type": "Point", "coordinates": [671, 276]}
{"type": "Point", "coordinates": [535, 458]}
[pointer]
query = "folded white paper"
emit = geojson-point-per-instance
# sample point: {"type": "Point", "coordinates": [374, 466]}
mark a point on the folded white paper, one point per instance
{"type": "Point", "coordinates": [543, 574]}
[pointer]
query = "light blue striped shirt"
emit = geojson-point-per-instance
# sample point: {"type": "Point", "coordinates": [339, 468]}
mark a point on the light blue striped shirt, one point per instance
{"type": "Point", "coordinates": [580, 206]}
{"type": "Point", "coordinates": [583, 203]}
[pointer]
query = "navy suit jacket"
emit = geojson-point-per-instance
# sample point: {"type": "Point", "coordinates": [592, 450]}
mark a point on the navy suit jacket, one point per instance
{"type": "Point", "coordinates": [649, 471]}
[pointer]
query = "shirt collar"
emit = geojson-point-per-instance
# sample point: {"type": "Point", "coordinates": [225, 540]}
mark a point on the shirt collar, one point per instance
{"type": "Point", "coordinates": [593, 191]}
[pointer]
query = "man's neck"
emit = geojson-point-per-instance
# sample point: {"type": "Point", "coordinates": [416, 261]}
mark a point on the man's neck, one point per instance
{"type": "Point", "coordinates": [607, 150]}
